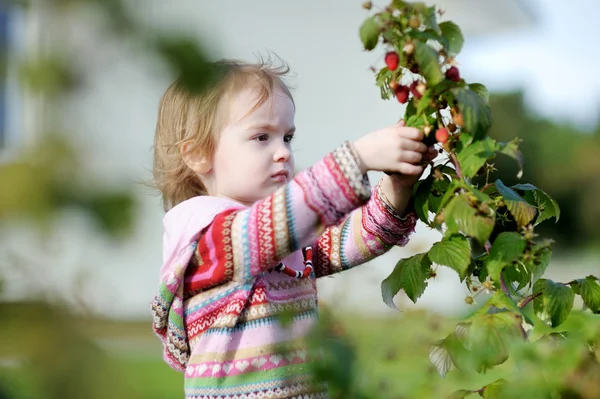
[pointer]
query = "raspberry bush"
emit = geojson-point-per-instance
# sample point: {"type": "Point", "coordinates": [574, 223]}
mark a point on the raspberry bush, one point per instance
{"type": "Point", "coordinates": [488, 228]}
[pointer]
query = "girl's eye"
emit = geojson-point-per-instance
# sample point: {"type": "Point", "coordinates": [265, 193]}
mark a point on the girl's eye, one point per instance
{"type": "Point", "coordinates": [262, 137]}
{"type": "Point", "coordinates": [289, 138]}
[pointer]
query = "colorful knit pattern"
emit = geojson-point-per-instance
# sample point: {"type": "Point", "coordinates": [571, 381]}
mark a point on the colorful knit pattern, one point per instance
{"type": "Point", "coordinates": [218, 312]}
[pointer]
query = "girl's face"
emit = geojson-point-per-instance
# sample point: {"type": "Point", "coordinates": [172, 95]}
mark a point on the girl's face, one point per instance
{"type": "Point", "coordinates": [253, 156]}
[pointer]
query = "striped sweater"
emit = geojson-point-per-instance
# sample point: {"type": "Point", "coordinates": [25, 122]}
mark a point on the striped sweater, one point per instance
{"type": "Point", "coordinates": [218, 305]}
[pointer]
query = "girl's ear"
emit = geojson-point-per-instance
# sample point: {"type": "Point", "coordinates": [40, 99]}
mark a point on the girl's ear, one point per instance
{"type": "Point", "coordinates": [194, 159]}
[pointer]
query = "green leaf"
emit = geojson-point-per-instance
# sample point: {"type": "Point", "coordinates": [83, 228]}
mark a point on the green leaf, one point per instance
{"type": "Point", "coordinates": [460, 394]}
{"type": "Point", "coordinates": [511, 149]}
{"type": "Point", "coordinates": [453, 251]}
{"type": "Point", "coordinates": [450, 352]}
{"type": "Point", "coordinates": [416, 121]}
{"type": "Point", "coordinates": [508, 246]}
{"type": "Point", "coordinates": [589, 290]}
{"type": "Point", "coordinates": [422, 191]}
{"type": "Point", "coordinates": [490, 337]}
{"type": "Point", "coordinates": [427, 58]}
{"type": "Point", "coordinates": [424, 102]}
{"type": "Point", "coordinates": [476, 113]}
{"type": "Point", "coordinates": [481, 90]}
{"type": "Point", "coordinates": [556, 300]}
{"type": "Point", "coordinates": [495, 390]}
{"type": "Point", "coordinates": [409, 275]}
{"type": "Point", "coordinates": [454, 37]}
{"type": "Point", "coordinates": [428, 34]}
{"type": "Point", "coordinates": [543, 260]}
{"type": "Point", "coordinates": [547, 206]}
{"type": "Point", "coordinates": [410, 111]}
{"type": "Point", "coordinates": [517, 274]}
{"type": "Point", "coordinates": [521, 210]}
{"type": "Point", "coordinates": [461, 217]}
{"type": "Point", "coordinates": [438, 188]}
{"type": "Point", "coordinates": [473, 156]}
{"type": "Point", "coordinates": [369, 33]}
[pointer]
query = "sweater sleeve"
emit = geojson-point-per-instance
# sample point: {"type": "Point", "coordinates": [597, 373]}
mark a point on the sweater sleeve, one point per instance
{"type": "Point", "coordinates": [364, 234]}
{"type": "Point", "coordinates": [243, 243]}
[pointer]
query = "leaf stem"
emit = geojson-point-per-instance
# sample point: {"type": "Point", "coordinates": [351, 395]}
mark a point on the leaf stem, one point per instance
{"type": "Point", "coordinates": [504, 286]}
{"type": "Point", "coordinates": [528, 299]}
{"type": "Point", "coordinates": [454, 161]}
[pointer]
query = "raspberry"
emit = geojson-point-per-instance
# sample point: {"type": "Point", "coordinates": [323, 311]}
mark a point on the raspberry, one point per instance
{"type": "Point", "coordinates": [453, 74]}
{"type": "Point", "coordinates": [417, 88]}
{"type": "Point", "coordinates": [441, 135]}
{"type": "Point", "coordinates": [392, 60]}
{"type": "Point", "coordinates": [402, 93]}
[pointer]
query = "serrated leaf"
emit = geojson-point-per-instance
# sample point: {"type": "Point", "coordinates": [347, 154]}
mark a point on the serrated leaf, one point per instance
{"type": "Point", "coordinates": [453, 251]}
{"type": "Point", "coordinates": [589, 290]}
{"type": "Point", "coordinates": [473, 156]}
{"type": "Point", "coordinates": [495, 390]}
{"type": "Point", "coordinates": [476, 113]}
{"type": "Point", "coordinates": [454, 37]}
{"type": "Point", "coordinates": [546, 205]}
{"type": "Point", "coordinates": [481, 90]}
{"type": "Point", "coordinates": [556, 300]}
{"type": "Point", "coordinates": [461, 217]}
{"type": "Point", "coordinates": [521, 210]}
{"type": "Point", "coordinates": [409, 275]}
{"type": "Point", "coordinates": [429, 66]}
{"type": "Point", "coordinates": [508, 246]}
{"type": "Point", "coordinates": [440, 358]}
{"type": "Point", "coordinates": [511, 149]}
{"type": "Point", "coordinates": [460, 394]}
{"type": "Point", "coordinates": [549, 207]}
{"type": "Point", "coordinates": [490, 337]}
{"type": "Point", "coordinates": [543, 260]}
{"type": "Point", "coordinates": [369, 33]}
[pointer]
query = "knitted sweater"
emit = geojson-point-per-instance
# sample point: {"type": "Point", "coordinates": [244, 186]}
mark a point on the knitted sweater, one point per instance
{"type": "Point", "coordinates": [219, 298]}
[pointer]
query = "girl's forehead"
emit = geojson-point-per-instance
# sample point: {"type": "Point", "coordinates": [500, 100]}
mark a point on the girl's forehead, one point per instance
{"type": "Point", "coordinates": [245, 105]}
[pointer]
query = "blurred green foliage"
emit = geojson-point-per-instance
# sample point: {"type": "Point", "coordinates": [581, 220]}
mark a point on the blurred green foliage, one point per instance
{"type": "Point", "coordinates": [562, 159]}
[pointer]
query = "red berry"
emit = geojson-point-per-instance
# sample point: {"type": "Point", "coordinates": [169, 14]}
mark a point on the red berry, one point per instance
{"type": "Point", "coordinates": [402, 93]}
{"type": "Point", "coordinates": [417, 88]}
{"type": "Point", "coordinates": [441, 135]}
{"type": "Point", "coordinates": [453, 74]}
{"type": "Point", "coordinates": [392, 60]}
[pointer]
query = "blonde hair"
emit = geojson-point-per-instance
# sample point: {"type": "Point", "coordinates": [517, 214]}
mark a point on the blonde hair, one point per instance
{"type": "Point", "coordinates": [197, 119]}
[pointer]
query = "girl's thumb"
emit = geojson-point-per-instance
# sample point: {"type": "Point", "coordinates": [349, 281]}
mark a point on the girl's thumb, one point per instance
{"type": "Point", "coordinates": [401, 123]}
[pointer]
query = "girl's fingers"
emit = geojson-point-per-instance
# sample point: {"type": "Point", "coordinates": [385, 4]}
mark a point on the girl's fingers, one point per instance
{"type": "Point", "coordinates": [410, 169]}
{"type": "Point", "coordinates": [412, 156]}
{"type": "Point", "coordinates": [412, 145]}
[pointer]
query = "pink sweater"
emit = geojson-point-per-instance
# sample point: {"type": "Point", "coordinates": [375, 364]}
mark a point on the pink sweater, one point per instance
{"type": "Point", "coordinates": [219, 300]}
